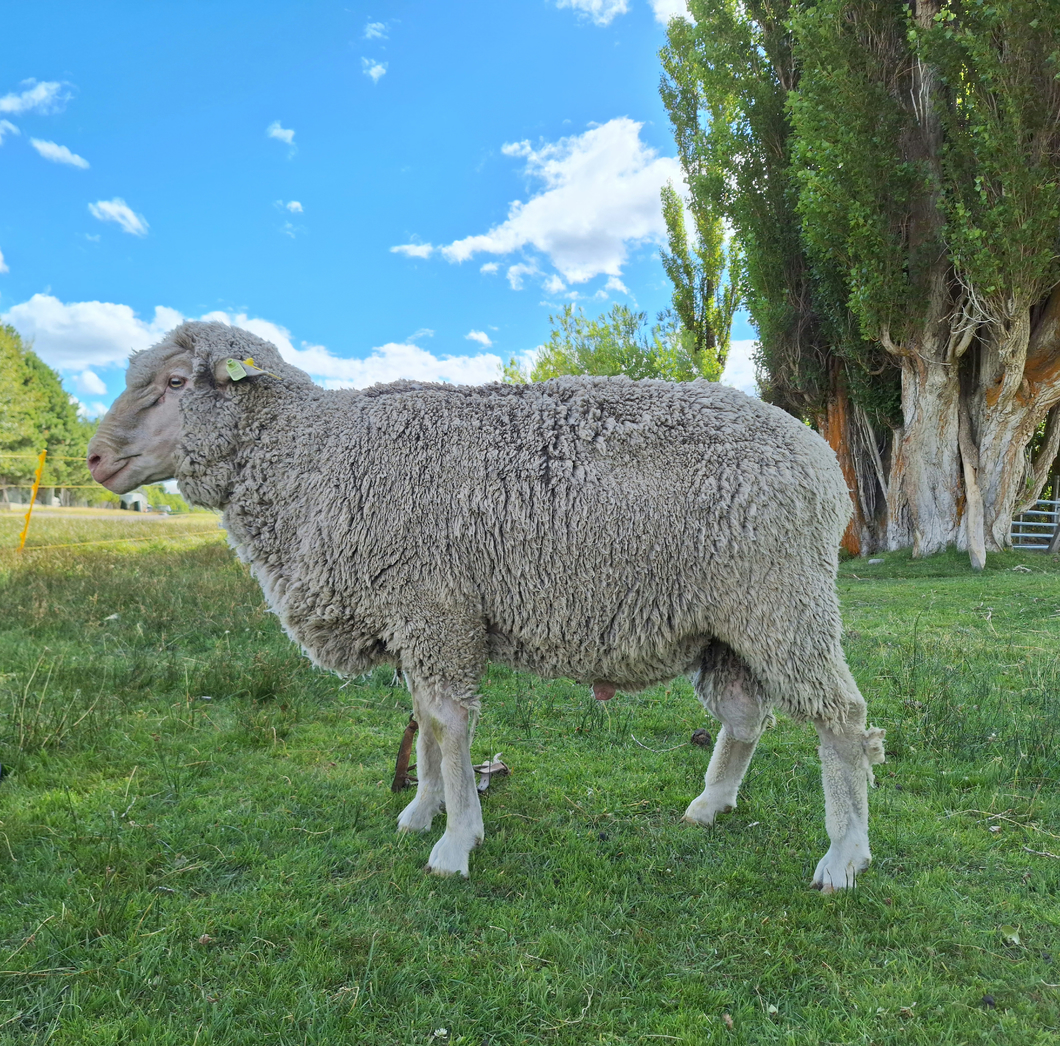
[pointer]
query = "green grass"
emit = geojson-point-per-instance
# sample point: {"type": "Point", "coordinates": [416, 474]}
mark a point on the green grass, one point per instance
{"type": "Point", "coordinates": [71, 526]}
{"type": "Point", "coordinates": [198, 845]}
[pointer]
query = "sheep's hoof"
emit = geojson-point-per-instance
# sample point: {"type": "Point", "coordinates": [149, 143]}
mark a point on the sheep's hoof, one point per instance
{"type": "Point", "coordinates": [448, 858]}
{"type": "Point", "coordinates": [840, 867]}
{"type": "Point", "coordinates": [698, 821]}
{"type": "Point", "coordinates": [417, 816]}
{"type": "Point", "coordinates": [703, 813]}
{"type": "Point", "coordinates": [414, 823]}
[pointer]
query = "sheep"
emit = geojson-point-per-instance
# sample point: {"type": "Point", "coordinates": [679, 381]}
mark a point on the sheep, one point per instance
{"type": "Point", "coordinates": [615, 532]}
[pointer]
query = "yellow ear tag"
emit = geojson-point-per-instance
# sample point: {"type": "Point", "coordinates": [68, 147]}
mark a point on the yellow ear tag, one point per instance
{"type": "Point", "coordinates": [235, 370]}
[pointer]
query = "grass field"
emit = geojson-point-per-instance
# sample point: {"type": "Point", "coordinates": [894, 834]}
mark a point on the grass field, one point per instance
{"type": "Point", "coordinates": [198, 845]}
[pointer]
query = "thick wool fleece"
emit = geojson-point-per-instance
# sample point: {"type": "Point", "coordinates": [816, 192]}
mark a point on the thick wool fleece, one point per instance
{"type": "Point", "coordinates": [598, 529]}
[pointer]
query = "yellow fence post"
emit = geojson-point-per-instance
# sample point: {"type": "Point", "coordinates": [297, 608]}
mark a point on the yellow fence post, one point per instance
{"type": "Point", "coordinates": [33, 496]}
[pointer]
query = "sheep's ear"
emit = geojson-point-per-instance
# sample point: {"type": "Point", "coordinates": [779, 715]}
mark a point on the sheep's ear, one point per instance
{"type": "Point", "coordinates": [232, 369]}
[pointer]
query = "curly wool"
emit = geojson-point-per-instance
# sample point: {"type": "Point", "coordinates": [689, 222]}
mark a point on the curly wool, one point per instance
{"type": "Point", "coordinates": [589, 528]}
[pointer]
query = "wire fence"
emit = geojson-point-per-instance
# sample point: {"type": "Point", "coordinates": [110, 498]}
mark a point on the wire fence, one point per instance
{"type": "Point", "coordinates": [39, 486]}
{"type": "Point", "coordinates": [54, 457]}
{"type": "Point", "coordinates": [116, 541]}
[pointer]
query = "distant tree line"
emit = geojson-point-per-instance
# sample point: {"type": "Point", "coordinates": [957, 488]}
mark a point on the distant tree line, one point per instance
{"type": "Point", "coordinates": [37, 413]}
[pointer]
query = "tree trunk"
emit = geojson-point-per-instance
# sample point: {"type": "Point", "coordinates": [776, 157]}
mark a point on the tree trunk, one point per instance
{"type": "Point", "coordinates": [1017, 388]}
{"type": "Point", "coordinates": [958, 469]}
{"type": "Point", "coordinates": [850, 433]}
{"type": "Point", "coordinates": [925, 489]}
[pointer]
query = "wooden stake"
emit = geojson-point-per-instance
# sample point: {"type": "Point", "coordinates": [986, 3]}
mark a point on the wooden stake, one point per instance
{"type": "Point", "coordinates": [402, 778]}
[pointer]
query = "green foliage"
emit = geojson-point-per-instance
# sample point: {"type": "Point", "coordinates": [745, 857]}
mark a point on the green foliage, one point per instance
{"type": "Point", "coordinates": [617, 342]}
{"type": "Point", "coordinates": [725, 85]}
{"type": "Point", "coordinates": [21, 405]}
{"type": "Point", "coordinates": [1000, 167]}
{"type": "Point", "coordinates": [851, 118]}
{"type": "Point", "coordinates": [199, 838]}
{"type": "Point", "coordinates": [852, 144]}
{"type": "Point", "coordinates": [158, 495]}
{"type": "Point", "coordinates": [36, 413]}
{"type": "Point", "coordinates": [703, 303]}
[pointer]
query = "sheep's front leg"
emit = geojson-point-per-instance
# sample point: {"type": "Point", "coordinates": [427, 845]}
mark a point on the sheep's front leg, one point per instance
{"type": "Point", "coordinates": [430, 795]}
{"type": "Point", "coordinates": [449, 720]}
{"type": "Point", "coordinates": [847, 754]}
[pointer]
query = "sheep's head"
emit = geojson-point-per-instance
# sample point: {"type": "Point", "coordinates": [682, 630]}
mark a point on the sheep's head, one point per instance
{"type": "Point", "coordinates": [176, 385]}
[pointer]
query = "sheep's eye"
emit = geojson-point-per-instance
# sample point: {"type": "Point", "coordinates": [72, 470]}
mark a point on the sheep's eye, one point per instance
{"type": "Point", "coordinates": [177, 383]}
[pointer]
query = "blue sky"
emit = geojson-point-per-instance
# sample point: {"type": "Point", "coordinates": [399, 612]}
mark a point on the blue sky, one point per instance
{"type": "Point", "coordinates": [393, 189]}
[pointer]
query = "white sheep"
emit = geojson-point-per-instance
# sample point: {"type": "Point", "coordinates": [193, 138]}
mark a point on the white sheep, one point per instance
{"type": "Point", "coordinates": [615, 532]}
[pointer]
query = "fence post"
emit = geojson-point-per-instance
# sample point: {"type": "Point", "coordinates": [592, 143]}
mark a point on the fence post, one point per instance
{"type": "Point", "coordinates": [33, 497]}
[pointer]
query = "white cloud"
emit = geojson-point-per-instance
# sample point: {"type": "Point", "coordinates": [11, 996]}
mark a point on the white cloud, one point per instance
{"type": "Point", "coordinates": [294, 207]}
{"type": "Point", "coordinates": [602, 12]}
{"type": "Point", "coordinates": [283, 134]}
{"type": "Point", "coordinates": [600, 195]}
{"type": "Point", "coordinates": [7, 127]}
{"type": "Point", "coordinates": [481, 337]}
{"type": "Point", "coordinates": [667, 9]}
{"type": "Point", "coordinates": [554, 284]}
{"type": "Point", "coordinates": [76, 337]}
{"type": "Point", "coordinates": [375, 31]}
{"type": "Point", "coordinates": [84, 334]}
{"type": "Point", "coordinates": [376, 70]}
{"type": "Point", "coordinates": [58, 153]}
{"type": "Point", "coordinates": [394, 360]}
{"type": "Point", "coordinates": [90, 384]}
{"type": "Point", "coordinates": [46, 97]}
{"type": "Point", "coordinates": [739, 369]}
{"type": "Point", "coordinates": [117, 210]}
{"type": "Point", "coordinates": [615, 284]}
{"type": "Point", "coordinates": [518, 272]}
{"type": "Point", "coordinates": [489, 267]}
{"type": "Point", "coordinates": [415, 250]}
{"type": "Point", "coordinates": [3, 266]}
{"type": "Point", "coordinates": [89, 411]}
{"type": "Point", "coordinates": [385, 363]}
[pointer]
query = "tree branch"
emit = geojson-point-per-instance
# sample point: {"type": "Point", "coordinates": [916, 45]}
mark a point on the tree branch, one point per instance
{"type": "Point", "coordinates": [974, 516]}
{"type": "Point", "coordinates": [1040, 468]}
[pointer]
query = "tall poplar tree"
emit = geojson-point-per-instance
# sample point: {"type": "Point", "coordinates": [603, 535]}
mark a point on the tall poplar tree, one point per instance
{"type": "Point", "coordinates": [890, 170]}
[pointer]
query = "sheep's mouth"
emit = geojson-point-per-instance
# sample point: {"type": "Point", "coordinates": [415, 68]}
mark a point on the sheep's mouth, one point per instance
{"type": "Point", "coordinates": [106, 481]}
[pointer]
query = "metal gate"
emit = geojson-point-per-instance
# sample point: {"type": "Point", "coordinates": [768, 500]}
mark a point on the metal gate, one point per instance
{"type": "Point", "coordinates": [1034, 529]}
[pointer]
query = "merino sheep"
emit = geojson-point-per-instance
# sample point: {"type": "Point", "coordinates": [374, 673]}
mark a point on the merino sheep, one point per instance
{"type": "Point", "coordinates": [615, 532]}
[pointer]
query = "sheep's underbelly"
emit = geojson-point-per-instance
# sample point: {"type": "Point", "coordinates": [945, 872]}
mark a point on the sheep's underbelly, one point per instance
{"type": "Point", "coordinates": [629, 668]}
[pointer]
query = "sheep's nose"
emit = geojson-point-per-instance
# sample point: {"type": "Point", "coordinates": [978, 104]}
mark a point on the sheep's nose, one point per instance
{"type": "Point", "coordinates": [97, 466]}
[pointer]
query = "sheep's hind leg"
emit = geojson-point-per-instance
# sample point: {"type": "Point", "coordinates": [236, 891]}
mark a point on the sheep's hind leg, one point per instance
{"type": "Point", "coordinates": [450, 721]}
{"type": "Point", "coordinates": [847, 752]}
{"type": "Point", "coordinates": [729, 691]}
{"type": "Point", "coordinates": [430, 795]}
